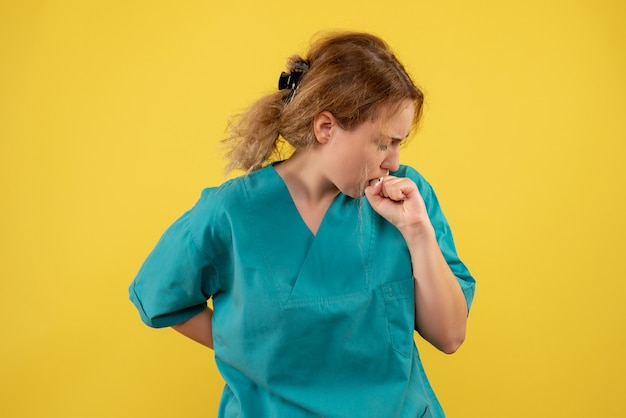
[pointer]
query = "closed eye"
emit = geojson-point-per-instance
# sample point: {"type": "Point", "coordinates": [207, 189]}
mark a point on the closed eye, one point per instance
{"type": "Point", "coordinates": [384, 142]}
{"type": "Point", "coordinates": [394, 143]}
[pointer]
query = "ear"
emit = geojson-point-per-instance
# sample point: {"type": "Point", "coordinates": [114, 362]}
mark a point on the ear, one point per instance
{"type": "Point", "coordinates": [323, 124]}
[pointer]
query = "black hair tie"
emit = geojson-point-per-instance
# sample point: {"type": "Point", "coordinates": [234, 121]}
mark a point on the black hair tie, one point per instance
{"type": "Point", "coordinates": [290, 81]}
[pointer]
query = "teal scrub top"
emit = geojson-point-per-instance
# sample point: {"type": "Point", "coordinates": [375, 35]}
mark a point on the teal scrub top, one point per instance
{"type": "Point", "coordinates": [304, 325]}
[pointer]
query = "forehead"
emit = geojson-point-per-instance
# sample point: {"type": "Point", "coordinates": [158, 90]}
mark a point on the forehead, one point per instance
{"type": "Point", "coordinates": [396, 122]}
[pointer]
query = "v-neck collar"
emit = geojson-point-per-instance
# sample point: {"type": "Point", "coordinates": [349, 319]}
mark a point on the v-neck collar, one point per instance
{"type": "Point", "coordinates": [292, 204]}
{"type": "Point", "coordinates": [304, 267]}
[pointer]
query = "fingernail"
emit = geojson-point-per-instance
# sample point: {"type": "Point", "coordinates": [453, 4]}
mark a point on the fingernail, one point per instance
{"type": "Point", "coordinates": [376, 182]}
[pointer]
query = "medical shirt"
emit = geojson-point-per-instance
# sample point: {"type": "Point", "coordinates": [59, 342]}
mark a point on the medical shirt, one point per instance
{"type": "Point", "coordinates": [304, 325]}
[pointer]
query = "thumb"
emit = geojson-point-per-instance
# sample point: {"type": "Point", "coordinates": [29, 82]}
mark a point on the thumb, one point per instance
{"type": "Point", "coordinates": [372, 192]}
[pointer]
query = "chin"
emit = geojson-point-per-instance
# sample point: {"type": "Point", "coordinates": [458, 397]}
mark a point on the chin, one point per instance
{"type": "Point", "coordinates": [355, 193]}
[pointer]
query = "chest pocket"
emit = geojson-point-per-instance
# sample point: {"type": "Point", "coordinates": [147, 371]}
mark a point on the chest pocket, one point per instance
{"type": "Point", "coordinates": [400, 314]}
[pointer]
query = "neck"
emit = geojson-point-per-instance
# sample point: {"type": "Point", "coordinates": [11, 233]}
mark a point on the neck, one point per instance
{"type": "Point", "coordinates": [305, 179]}
{"type": "Point", "coordinates": [311, 191]}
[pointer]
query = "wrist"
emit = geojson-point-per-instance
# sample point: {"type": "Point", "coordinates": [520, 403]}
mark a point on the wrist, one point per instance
{"type": "Point", "coordinates": [418, 233]}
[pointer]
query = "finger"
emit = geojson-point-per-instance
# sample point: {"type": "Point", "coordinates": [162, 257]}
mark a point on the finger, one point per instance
{"type": "Point", "coordinates": [375, 196]}
{"type": "Point", "coordinates": [374, 190]}
{"type": "Point", "coordinates": [375, 183]}
{"type": "Point", "coordinates": [397, 189]}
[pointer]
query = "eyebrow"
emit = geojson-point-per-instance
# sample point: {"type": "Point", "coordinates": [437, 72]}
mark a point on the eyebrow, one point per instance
{"type": "Point", "coordinates": [393, 138]}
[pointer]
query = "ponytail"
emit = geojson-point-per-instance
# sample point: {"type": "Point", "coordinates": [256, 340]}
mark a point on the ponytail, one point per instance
{"type": "Point", "coordinates": [254, 136]}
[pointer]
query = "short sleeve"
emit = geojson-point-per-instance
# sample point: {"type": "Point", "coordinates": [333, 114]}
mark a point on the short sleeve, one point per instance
{"type": "Point", "coordinates": [179, 276]}
{"type": "Point", "coordinates": [443, 233]}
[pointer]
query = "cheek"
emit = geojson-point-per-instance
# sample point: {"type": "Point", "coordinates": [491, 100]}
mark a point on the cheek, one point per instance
{"type": "Point", "coordinates": [360, 164]}
{"type": "Point", "coordinates": [365, 167]}
{"type": "Point", "coordinates": [373, 159]}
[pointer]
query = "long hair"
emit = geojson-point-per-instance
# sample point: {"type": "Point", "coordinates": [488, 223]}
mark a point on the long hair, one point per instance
{"type": "Point", "coordinates": [349, 74]}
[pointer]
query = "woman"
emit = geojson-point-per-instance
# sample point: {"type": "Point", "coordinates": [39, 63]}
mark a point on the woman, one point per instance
{"type": "Point", "coordinates": [320, 266]}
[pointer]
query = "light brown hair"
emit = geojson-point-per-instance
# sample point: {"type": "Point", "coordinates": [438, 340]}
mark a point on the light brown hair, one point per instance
{"type": "Point", "coordinates": [352, 75]}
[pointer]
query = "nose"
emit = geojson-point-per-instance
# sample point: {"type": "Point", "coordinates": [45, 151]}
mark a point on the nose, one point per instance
{"type": "Point", "coordinates": [392, 160]}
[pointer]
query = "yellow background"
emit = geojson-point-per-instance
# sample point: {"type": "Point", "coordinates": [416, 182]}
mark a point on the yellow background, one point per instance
{"type": "Point", "coordinates": [110, 117]}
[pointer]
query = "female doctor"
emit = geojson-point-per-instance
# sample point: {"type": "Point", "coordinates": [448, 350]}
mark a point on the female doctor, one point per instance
{"type": "Point", "coordinates": [321, 266]}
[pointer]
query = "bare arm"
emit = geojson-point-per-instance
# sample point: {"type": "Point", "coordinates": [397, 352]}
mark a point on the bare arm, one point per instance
{"type": "Point", "coordinates": [440, 306]}
{"type": "Point", "coordinates": [198, 328]}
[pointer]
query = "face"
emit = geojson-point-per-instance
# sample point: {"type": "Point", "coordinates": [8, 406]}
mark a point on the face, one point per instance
{"type": "Point", "coordinates": [371, 150]}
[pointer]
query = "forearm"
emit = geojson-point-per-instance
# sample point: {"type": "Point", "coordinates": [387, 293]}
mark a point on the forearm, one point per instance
{"type": "Point", "coordinates": [199, 328]}
{"type": "Point", "coordinates": [440, 306]}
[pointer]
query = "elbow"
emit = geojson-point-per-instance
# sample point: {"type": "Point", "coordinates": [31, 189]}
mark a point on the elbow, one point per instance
{"type": "Point", "coordinates": [451, 346]}
{"type": "Point", "coordinates": [451, 342]}
{"type": "Point", "coordinates": [445, 336]}
{"type": "Point", "coordinates": [447, 344]}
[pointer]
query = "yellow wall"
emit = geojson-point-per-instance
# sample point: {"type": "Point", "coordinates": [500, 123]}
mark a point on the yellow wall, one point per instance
{"type": "Point", "coordinates": [110, 116]}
